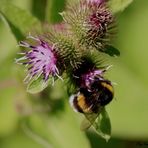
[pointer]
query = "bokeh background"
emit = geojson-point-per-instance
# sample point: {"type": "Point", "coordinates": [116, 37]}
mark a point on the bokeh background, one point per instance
{"type": "Point", "coordinates": [23, 119]}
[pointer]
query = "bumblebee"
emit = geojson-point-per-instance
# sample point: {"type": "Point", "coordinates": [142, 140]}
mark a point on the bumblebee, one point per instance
{"type": "Point", "coordinates": [91, 101]}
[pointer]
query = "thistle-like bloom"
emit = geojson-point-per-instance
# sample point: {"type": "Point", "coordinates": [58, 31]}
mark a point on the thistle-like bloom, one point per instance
{"type": "Point", "coordinates": [92, 22]}
{"type": "Point", "coordinates": [40, 59]}
{"type": "Point", "coordinates": [88, 72]}
{"type": "Point", "coordinates": [87, 79]}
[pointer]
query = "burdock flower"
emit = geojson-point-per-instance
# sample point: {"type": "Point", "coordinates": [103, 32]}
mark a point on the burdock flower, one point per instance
{"type": "Point", "coordinates": [89, 69]}
{"type": "Point", "coordinates": [87, 79]}
{"type": "Point", "coordinates": [92, 22]}
{"type": "Point", "coordinates": [40, 59]}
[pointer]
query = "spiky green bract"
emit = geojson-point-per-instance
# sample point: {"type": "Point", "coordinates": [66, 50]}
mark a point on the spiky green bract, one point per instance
{"type": "Point", "coordinates": [92, 24]}
{"type": "Point", "coordinates": [69, 51]}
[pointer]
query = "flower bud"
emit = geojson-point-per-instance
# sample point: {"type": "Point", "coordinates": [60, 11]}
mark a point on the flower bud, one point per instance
{"type": "Point", "coordinates": [67, 48]}
{"type": "Point", "coordinates": [92, 23]}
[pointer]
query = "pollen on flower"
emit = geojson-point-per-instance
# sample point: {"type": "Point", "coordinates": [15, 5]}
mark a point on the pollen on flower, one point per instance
{"type": "Point", "coordinates": [40, 60]}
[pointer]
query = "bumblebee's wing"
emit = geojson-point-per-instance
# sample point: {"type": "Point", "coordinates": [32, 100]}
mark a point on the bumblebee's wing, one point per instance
{"type": "Point", "coordinates": [88, 121]}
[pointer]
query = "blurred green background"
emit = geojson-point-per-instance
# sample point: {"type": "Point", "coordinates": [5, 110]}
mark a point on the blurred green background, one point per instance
{"type": "Point", "coordinates": [23, 120]}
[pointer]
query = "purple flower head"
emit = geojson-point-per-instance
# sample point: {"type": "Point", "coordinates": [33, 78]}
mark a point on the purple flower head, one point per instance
{"type": "Point", "coordinates": [100, 23]}
{"type": "Point", "coordinates": [88, 73]}
{"type": "Point", "coordinates": [40, 59]}
{"type": "Point", "coordinates": [100, 18]}
{"type": "Point", "coordinates": [88, 78]}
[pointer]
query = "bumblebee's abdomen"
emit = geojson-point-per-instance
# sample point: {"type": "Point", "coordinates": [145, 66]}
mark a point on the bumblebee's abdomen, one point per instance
{"type": "Point", "coordinates": [90, 101]}
{"type": "Point", "coordinates": [83, 104]}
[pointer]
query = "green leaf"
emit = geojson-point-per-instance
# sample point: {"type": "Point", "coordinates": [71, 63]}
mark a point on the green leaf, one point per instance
{"type": "Point", "coordinates": [20, 21]}
{"type": "Point", "coordinates": [54, 7]}
{"type": "Point", "coordinates": [36, 86]}
{"type": "Point", "coordinates": [118, 5]}
{"type": "Point", "coordinates": [39, 9]}
{"type": "Point", "coordinates": [110, 50]}
{"type": "Point", "coordinates": [103, 125]}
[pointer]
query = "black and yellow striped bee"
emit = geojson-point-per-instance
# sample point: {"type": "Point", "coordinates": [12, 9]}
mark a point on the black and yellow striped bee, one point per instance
{"type": "Point", "coordinates": [91, 101]}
